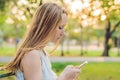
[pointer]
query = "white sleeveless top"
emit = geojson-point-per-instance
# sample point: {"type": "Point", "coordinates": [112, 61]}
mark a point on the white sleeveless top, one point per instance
{"type": "Point", "coordinates": [47, 72]}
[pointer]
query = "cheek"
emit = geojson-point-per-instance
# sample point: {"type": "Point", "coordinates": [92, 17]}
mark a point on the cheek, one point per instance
{"type": "Point", "coordinates": [57, 33]}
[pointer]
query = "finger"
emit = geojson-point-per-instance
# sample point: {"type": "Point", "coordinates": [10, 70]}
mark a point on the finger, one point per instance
{"type": "Point", "coordinates": [77, 67]}
{"type": "Point", "coordinates": [76, 70]}
{"type": "Point", "coordinates": [76, 77]}
{"type": "Point", "coordinates": [70, 66]}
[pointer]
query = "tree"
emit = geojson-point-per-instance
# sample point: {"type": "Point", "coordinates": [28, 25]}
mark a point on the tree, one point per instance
{"type": "Point", "coordinates": [15, 16]}
{"type": "Point", "coordinates": [92, 12]}
{"type": "Point", "coordinates": [112, 12]}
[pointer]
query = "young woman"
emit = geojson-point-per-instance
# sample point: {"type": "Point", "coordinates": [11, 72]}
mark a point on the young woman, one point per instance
{"type": "Point", "coordinates": [31, 61]}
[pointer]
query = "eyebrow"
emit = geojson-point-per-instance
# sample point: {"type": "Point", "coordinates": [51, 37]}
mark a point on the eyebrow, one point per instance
{"type": "Point", "coordinates": [62, 25]}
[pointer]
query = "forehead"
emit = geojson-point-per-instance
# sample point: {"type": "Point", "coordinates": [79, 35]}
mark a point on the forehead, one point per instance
{"type": "Point", "coordinates": [64, 19]}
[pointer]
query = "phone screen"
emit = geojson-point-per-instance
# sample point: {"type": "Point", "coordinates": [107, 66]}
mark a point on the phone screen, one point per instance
{"type": "Point", "coordinates": [81, 65]}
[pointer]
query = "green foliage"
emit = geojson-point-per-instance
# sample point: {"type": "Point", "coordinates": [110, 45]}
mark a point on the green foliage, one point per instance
{"type": "Point", "coordinates": [115, 34]}
{"type": "Point", "coordinates": [72, 25]}
{"type": "Point", "coordinates": [2, 19]}
{"type": "Point", "coordinates": [114, 15]}
{"type": "Point", "coordinates": [105, 3]}
{"type": "Point", "coordinates": [22, 31]}
{"type": "Point", "coordinates": [96, 34]}
{"type": "Point", "coordinates": [10, 31]}
{"type": "Point", "coordinates": [2, 5]}
{"type": "Point", "coordinates": [112, 9]}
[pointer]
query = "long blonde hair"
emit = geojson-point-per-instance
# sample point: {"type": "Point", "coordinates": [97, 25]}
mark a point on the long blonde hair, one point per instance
{"type": "Point", "coordinates": [42, 28]}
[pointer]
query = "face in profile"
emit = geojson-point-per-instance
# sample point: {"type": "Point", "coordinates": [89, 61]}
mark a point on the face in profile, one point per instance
{"type": "Point", "coordinates": [59, 32]}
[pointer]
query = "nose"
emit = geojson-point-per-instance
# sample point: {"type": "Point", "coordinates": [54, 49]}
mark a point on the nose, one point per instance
{"type": "Point", "coordinates": [63, 33]}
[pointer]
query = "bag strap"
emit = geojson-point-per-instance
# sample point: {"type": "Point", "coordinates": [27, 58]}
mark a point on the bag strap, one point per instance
{"type": "Point", "coordinates": [6, 74]}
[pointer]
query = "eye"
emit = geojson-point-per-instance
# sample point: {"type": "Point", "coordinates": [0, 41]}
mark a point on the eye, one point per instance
{"type": "Point", "coordinates": [60, 27]}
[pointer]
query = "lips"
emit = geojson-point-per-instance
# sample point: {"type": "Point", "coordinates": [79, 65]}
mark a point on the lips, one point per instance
{"type": "Point", "coordinates": [60, 37]}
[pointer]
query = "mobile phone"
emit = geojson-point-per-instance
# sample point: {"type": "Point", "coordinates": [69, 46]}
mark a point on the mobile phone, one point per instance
{"type": "Point", "coordinates": [81, 65]}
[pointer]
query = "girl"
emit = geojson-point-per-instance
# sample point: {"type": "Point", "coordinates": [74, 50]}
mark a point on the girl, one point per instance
{"type": "Point", "coordinates": [31, 61]}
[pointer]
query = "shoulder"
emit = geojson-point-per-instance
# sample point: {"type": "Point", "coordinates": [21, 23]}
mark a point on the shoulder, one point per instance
{"type": "Point", "coordinates": [33, 53]}
{"type": "Point", "coordinates": [31, 65]}
{"type": "Point", "coordinates": [31, 58]}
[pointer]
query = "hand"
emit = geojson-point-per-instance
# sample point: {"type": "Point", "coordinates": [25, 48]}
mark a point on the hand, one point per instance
{"type": "Point", "coordinates": [70, 73]}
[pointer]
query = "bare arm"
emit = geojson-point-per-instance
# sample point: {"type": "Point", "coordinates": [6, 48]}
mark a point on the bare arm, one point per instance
{"type": "Point", "coordinates": [31, 65]}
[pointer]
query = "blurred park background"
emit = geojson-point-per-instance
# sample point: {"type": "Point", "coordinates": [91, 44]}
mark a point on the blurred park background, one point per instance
{"type": "Point", "coordinates": [92, 31]}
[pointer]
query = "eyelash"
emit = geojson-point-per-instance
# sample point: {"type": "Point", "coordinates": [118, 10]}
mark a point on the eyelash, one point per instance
{"type": "Point", "coordinates": [60, 27]}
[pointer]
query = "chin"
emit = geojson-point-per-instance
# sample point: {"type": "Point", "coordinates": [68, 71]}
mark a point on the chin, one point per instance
{"type": "Point", "coordinates": [56, 41]}
{"type": "Point", "coordinates": [53, 42]}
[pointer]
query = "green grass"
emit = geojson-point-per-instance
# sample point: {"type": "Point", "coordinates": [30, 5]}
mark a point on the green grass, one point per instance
{"type": "Point", "coordinates": [92, 71]}
{"type": "Point", "coordinates": [7, 51]}
{"type": "Point", "coordinates": [88, 53]}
